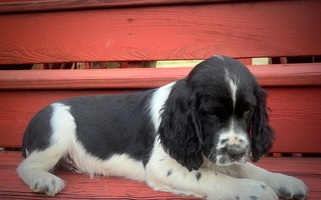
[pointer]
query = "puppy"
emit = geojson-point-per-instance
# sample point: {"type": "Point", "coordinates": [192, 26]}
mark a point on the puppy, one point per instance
{"type": "Point", "coordinates": [190, 137]}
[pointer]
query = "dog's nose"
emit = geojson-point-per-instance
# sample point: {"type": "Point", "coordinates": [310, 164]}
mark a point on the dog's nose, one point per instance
{"type": "Point", "coordinates": [235, 151]}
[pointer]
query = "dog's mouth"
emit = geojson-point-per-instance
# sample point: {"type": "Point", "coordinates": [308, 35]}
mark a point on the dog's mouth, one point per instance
{"type": "Point", "coordinates": [227, 160]}
{"type": "Point", "coordinates": [224, 156]}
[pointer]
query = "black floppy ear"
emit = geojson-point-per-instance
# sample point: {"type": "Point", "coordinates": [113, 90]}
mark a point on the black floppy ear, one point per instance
{"type": "Point", "coordinates": [179, 129]}
{"type": "Point", "coordinates": [262, 133]}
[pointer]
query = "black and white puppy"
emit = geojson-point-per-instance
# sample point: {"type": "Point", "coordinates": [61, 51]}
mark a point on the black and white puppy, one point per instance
{"type": "Point", "coordinates": [191, 137]}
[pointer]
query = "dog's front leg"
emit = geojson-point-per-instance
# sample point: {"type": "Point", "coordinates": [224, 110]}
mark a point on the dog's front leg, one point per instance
{"type": "Point", "coordinates": [167, 175]}
{"type": "Point", "coordinates": [284, 186]}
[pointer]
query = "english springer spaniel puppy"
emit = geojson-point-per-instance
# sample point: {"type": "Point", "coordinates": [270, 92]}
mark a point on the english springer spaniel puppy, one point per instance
{"type": "Point", "coordinates": [190, 137]}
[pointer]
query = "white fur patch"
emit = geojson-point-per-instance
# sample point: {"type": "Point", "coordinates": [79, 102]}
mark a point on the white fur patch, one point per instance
{"type": "Point", "coordinates": [158, 100]}
{"type": "Point", "coordinates": [63, 126]}
{"type": "Point", "coordinates": [157, 173]}
{"type": "Point", "coordinates": [233, 137]}
{"type": "Point", "coordinates": [120, 165]}
{"type": "Point", "coordinates": [232, 83]}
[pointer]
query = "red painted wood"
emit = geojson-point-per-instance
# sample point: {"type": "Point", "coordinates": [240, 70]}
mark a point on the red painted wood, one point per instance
{"type": "Point", "coordinates": [308, 74]}
{"type": "Point", "coordinates": [9, 6]}
{"type": "Point", "coordinates": [90, 79]}
{"type": "Point", "coordinates": [245, 61]}
{"type": "Point", "coordinates": [78, 186]}
{"type": "Point", "coordinates": [263, 28]}
{"type": "Point", "coordinates": [296, 118]}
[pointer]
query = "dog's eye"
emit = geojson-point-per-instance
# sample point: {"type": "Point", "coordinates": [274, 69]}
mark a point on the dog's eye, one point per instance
{"type": "Point", "coordinates": [213, 116]}
{"type": "Point", "coordinates": [248, 112]}
{"type": "Point", "coordinates": [209, 115]}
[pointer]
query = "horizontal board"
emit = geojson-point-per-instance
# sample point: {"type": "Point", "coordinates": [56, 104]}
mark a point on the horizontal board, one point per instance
{"type": "Point", "coordinates": [295, 114]}
{"type": "Point", "coordinates": [260, 28]}
{"type": "Point", "coordinates": [296, 118]}
{"type": "Point", "coordinates": [78, 186]}
{"type": "Point", "coordinates": [308, 74]}
{"type": "Point", "coordinates": [9, 6]}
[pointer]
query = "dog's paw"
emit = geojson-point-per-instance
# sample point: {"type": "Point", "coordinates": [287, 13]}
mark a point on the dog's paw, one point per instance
{"type": "Point", "coordinates": [47, 183]}
{"type": "Point", "coordinates": [288, 187]}
{"type": "Point", "coordinates": [244, 189]}
{"type": "Point", "coordinates": [255, 190]}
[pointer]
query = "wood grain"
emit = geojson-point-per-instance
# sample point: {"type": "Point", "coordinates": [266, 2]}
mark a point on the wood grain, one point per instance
{"type": "Point", "coordinates": [296, 118]}
{"type": "Point", "coordinates": [308, 74]}
{"type": "Point", "coordinates": [11, 6]}
{"type": "Point", "coordinates": [78, 186]}
{"type": "Point", "coordinates": [262, 28]}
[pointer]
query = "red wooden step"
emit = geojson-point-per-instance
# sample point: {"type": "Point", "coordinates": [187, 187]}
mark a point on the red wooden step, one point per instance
{"type": "Point", "coordinates": [307, 74]}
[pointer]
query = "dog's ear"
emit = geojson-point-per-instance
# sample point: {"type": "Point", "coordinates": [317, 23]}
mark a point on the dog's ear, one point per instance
{"type": "Point", "coordinates": [179, 130]}
{"type": "Point", "coordinates": [262, 133]}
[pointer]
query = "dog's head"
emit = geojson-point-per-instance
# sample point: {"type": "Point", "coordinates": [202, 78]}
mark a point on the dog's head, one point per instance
{"type": "Point", "coordinates": [218, 111]}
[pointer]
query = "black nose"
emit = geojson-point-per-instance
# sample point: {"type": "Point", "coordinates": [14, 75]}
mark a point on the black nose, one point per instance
{"type": "Point", "coordinates": [235, 151]}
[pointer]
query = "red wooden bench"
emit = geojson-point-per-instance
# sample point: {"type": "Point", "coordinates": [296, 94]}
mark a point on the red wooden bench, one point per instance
{"type": "Point", "coordinates": [124, 30]}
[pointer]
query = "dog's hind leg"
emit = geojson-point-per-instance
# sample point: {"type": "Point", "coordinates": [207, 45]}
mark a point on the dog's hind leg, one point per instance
{"type": "Point", "coordinates": [35, 169]}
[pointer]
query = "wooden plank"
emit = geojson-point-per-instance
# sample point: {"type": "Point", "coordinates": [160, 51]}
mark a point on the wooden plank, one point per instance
{"type": "Point", "coordinates": [163, 32]}
{"type": "Point", "coordinates": [308, 74]}
{"type": "Point", "coordinates": [79, 186]}
{"type": "Point", "coordinates": [295, 117]}
{"type": "Point", "coordinates": [291, 166]}
{"type": "Point", "coordinates": [90, 79]}
{"type": "Point", "coordinates": [9, 6]}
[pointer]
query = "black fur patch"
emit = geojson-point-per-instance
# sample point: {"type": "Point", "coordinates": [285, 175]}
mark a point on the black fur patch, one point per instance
{"type": "Point", "coordinates": [38, 132]}
{"type": "Point", "coordinates": [178, 131]}
{"type": "Point", "coordinates": [254, 198]}
{"type": "Point", "coordinates": [299, 196]}
{"type": "Point", "coordinates": [114, 124]}
{"type": "Point", "coordinates": [284, 192]}
{"type": "Point", "coordinates": [263, 187]}
{"type": "Point", "coordinates": [198, 176]}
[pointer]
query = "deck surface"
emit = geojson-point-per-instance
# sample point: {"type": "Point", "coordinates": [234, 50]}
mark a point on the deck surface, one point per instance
{"type": "Point", "coordinates": [78, 186]}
